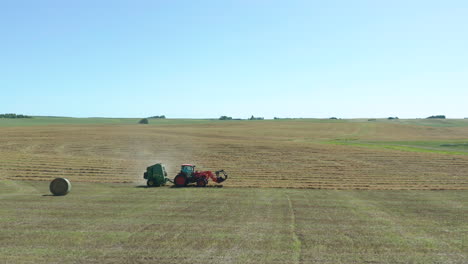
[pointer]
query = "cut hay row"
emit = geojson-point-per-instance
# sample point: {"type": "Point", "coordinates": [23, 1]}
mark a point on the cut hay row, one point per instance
{"type": "Point", "coordinates": [68, 167]}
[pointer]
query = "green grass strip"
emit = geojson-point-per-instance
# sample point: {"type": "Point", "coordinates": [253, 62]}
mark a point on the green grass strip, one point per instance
{"type": "Point", "coordinates": [395, 147]}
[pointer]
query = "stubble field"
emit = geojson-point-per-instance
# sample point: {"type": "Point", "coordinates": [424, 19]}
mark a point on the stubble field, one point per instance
{"type": "Point", "coordinates": [300, 191]}
{"type": "Point", "coordinates": [284, 153]}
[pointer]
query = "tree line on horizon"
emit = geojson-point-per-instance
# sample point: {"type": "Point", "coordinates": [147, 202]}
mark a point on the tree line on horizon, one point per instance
{"type": "Point", "coordinates": [14, 116]}
{"type": "Point", "coordinates": [333, 118]}
{"type": "Point", "coordinates": [11, 115]}
{"type": "Point", "coordinates": [157, 117]}
{"type": "Point", "coordinates": [250, 118]}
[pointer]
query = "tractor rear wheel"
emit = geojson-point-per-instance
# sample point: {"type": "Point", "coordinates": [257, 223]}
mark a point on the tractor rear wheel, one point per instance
{"type": "Point", "coordinates": [201, 183]}
{"type": "Point", "coordinates": [180, 180]}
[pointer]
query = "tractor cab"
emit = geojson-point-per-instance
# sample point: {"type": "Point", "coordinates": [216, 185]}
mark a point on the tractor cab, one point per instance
{"type": "Point", "coordinates": [187, 169]}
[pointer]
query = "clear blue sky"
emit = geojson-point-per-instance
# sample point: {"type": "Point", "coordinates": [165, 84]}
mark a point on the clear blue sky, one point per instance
{"type": "Point", "coordinates": [201, 59]}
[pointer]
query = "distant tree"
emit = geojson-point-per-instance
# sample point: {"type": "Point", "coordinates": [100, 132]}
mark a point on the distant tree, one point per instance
{"type": "Point", "coordinates": [275, 118]}
{"type": "Point", "coordinates": [158, 117]}
{"type": "Point", "coordinates": [391, 118]}
{"type": "Point", "coordinates": [143, 121]}
{"type": "Point", "coordinates": [225, 118]}
{"type": "Point", "coordinates": [436, 117]}
{"type": "Point", "coordinates": [256, 118]}
{"type": "Point", "coordinates": [333, 118]}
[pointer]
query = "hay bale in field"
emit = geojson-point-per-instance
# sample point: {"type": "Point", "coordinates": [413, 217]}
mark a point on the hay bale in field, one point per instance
{"type": "Point", "coordinates": [60, 186]}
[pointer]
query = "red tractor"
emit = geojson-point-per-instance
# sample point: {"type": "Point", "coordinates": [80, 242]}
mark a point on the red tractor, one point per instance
{"type": "Point", "coordinates": [188, 175]}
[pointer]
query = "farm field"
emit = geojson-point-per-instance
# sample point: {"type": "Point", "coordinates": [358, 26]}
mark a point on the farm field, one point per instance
{"type": "Point", "coordinates": [127, 223]}
{"type": "Point", "coordinates": [303, 153]}
{"type": "Point", "coordinates": [299, 191]}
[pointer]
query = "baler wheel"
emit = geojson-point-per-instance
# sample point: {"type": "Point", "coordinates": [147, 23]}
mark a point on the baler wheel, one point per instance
{"type": "Point", "coordinates": [201, 183]}
{"type": "Point", "coordinates": [150, 183]}
{"type": "Point", "coordinates": [180, 180]}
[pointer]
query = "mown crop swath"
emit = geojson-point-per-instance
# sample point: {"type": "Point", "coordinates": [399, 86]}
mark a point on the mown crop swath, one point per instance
{"type": "Point", "coordinates": [256, 154]}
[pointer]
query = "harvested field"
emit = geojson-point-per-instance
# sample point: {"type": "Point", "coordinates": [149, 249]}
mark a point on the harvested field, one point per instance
{"type": "Point", "coordinates": [288, 153]}
{"type": "Point", "coordinates": [122, 223]}
{"type": "Point", "coordinates": [111, 217]}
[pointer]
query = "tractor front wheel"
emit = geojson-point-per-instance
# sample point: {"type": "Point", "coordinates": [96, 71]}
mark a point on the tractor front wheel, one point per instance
{"type": "Point", "coordinates": [201, 183]}
{"type": "Point", "coordinates": [180, 180]}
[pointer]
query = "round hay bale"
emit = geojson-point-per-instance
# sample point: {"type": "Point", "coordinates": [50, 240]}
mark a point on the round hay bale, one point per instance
{"type": "Point", "coordinates": [60, 186]}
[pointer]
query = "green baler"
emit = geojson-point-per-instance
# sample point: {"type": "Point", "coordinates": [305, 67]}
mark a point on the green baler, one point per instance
{"type": "Point", "coordinates": [155, 175]}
